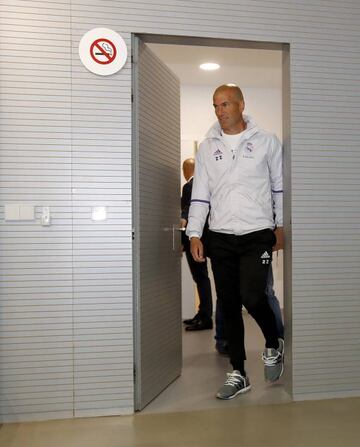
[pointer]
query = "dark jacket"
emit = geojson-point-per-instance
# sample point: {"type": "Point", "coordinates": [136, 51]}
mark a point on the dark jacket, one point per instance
{"type": "Point", "coordinates": [185, 205]}
{"type": "Point", "coordinates": [186, 198]}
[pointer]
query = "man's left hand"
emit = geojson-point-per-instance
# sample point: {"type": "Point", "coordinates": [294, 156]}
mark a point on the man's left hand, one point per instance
{"type": "Point", "coordinates": [279, 233]}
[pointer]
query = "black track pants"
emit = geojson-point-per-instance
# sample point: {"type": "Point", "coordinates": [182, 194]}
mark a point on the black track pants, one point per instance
{"type": "Point", "coordinates": [240, 265]}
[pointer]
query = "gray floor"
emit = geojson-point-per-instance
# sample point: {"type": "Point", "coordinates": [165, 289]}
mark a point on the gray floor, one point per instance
{"type": "Point", "coordinates": [204, 371]}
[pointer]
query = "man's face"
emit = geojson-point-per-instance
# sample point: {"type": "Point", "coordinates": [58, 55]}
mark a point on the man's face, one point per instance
{"type": "Point", "coordinates": [228, 109]}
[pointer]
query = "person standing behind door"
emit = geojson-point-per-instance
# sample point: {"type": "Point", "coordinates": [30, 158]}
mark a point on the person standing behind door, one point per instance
{"type": "Point", "coordinates": [199, 271]}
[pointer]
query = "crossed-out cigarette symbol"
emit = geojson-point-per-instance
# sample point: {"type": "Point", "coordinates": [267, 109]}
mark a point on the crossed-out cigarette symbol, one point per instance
{"type": "Point", "coordinates": [103, 51]}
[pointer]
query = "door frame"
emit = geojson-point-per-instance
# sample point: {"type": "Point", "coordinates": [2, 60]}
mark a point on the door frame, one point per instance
{"type": "Point", "coordinates": [285, 48]}
{"type": "Point", "coordinates": [135, 218]}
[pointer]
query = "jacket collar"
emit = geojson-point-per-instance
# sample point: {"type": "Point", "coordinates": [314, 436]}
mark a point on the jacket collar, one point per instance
{"type": "Point", "coordinates": [216, 132]}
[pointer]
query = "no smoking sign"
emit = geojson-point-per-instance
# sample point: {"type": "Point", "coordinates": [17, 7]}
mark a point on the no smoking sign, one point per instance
{"type": "Point", "coordinates": [102, 51]}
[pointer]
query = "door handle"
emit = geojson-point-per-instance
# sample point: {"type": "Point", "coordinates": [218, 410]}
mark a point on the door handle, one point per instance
{"type": "Point", "coordinates": [175, 228]}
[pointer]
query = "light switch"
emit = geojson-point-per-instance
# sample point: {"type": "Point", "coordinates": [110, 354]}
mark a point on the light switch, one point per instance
{"type": "Point", "coordinates": [12, 211]}
{"type": "Point", "coordinates": [98, 213]}
{"type": "Point", "coordinates": [27, 211]}
{"type": "Point", "coordinates": [45, 216]}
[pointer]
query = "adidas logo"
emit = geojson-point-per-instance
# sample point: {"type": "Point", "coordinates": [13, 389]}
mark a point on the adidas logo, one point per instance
{"type": "Point", "coordinates": [265, 255]}
{"type": "Point", "coordinates": [218, 155]}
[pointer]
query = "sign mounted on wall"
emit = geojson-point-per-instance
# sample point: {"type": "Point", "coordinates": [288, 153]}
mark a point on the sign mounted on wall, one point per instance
{"type": "Point", "coordinates": [102, 51]}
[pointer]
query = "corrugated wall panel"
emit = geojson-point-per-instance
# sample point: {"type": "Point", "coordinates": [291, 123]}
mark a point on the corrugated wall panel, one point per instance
{"type": "Point", "coordinates": [58, 122]}
{"type": "Point", "coordinates": [101, 175]}
{"type": "Point", "coordinates": [36, 357]}
{"type": "Point", "coordinates": [326, 317]}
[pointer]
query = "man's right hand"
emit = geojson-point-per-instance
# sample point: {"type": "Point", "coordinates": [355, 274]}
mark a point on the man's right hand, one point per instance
{"type": "Point", "coordinates": [197, 249]}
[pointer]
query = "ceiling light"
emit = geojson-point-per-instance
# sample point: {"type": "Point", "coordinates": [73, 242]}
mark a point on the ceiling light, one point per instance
{"type": "Point", "coordinates": [209, 66]}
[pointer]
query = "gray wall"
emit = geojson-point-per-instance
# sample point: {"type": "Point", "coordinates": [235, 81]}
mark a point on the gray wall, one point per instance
{"type": "Point", "coordinates": [66, 292]}
{"type": "Point", "coordinates": [66, 296]}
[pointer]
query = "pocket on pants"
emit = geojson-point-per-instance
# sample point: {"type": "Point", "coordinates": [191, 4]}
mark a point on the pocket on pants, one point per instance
{"type": "Point", "coordinates": [206, 240]}
{"type": "Point", "coordinates": [267, 236]}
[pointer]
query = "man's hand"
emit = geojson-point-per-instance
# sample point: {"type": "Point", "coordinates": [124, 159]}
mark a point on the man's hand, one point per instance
{"type": "Point", "coordinates": [197, 249]}
{"type": "Point", "coordinates": [279, 233]}
{"type": "Point", "coordinates": [183, 223]}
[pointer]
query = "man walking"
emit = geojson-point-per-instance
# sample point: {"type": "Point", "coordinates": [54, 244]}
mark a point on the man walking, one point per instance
{"type": "Point", "coordinates": [238, 175]}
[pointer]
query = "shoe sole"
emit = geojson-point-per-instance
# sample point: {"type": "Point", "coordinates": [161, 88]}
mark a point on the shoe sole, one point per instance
{"type": "Point", "coordinates": [242, 391]}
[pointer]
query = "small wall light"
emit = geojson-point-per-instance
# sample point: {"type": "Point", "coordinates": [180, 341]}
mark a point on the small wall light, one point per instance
{"type": "Point", "coordinates": [209, 66]}
{"type": "Point", "coordinates": [98, 213]}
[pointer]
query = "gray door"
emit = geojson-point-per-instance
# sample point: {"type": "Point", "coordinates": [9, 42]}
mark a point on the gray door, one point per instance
{"type": "Point", "coordinates": [157, 256]}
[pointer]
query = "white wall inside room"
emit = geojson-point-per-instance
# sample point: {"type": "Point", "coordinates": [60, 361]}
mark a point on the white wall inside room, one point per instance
{"type": "Point", "coordinates": [259, 74]}
{"type": "Point", "coordinates": [197, 114]}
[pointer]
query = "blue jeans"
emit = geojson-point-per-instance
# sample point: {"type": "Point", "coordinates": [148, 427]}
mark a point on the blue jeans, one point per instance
{"type": "Point", "coordinates": [273, 303]}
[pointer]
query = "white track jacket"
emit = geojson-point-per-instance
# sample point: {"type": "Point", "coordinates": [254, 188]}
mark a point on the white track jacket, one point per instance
{"type": "Point", "coordinates": [243, 189]}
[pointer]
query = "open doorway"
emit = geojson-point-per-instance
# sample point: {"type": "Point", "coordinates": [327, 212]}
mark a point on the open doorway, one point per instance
{"type": "Point", "coordinates": [259, 72]}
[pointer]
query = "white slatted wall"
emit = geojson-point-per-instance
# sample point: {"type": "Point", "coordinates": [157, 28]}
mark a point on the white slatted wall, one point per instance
{"type": "Point", "coordinates": [36, 262]}
{"type": "Point", "coordinates": [66, 312]}
{"type": "Point", "coordinates": [66, 296]}
{"type": "Point", "coordinates": [103, 332]}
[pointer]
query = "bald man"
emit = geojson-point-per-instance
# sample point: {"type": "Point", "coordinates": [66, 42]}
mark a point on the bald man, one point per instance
{"type": "Point", "coordinates": [238, 176]}
{"type": "Point", "coordinates": [199, 271]}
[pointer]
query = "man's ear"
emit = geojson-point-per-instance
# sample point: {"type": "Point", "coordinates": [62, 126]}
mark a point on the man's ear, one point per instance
{"type": "Point", "coordinates": [242, 106]}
